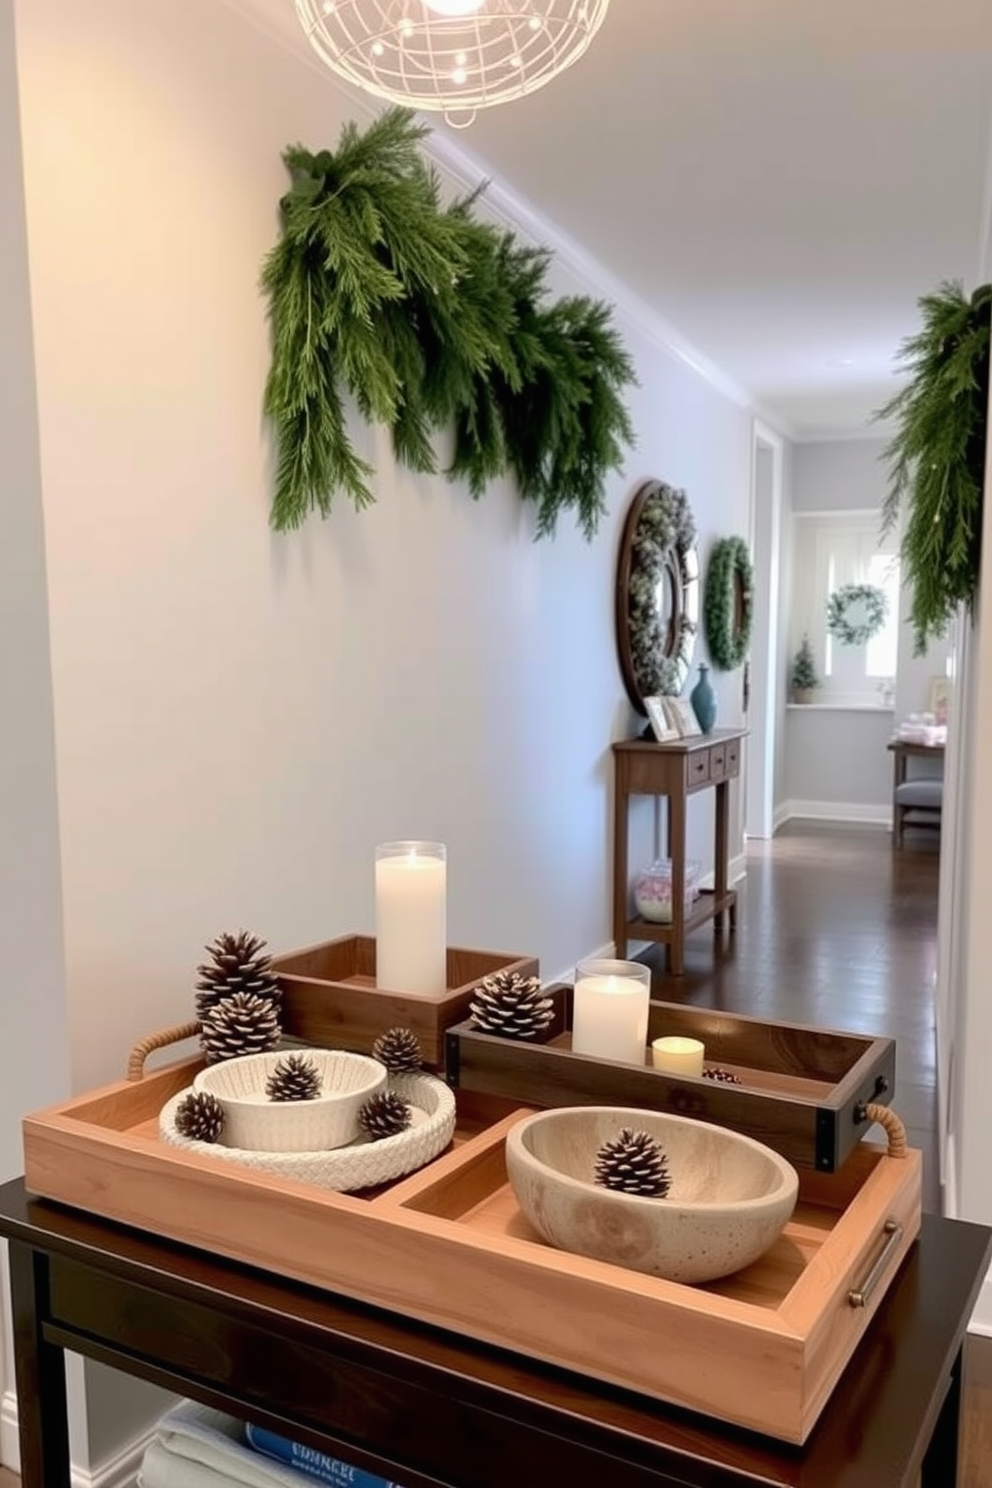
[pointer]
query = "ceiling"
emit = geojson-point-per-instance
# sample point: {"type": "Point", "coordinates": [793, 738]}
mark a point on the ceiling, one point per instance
{"type": "Point", "coordinates": [777, 180]}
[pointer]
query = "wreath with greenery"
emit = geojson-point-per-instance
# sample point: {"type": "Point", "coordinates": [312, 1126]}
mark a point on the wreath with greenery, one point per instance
{"type": "Point", "coordinates": [873, 605]}
{"type": "Point", "coordinates": [429, 319]}
{"type": "Point", "coordinates": [665, 526]}
{"type": "Point", "coordinates": [937, 456]}
{"type": "Point", "coordinates": [728, 618]}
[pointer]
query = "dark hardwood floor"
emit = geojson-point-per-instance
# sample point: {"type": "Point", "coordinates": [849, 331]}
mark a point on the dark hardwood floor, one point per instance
{"type": "Point", "coordinates": [834, 929]}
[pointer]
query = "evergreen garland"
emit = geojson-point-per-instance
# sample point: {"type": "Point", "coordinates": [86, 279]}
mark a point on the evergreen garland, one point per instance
{"type": "Point", "coordinates": [937, 456]}
{"type": "Point", "coordinates": [728, 635]}
{"type": "Point", "coordinates": [428, 319]}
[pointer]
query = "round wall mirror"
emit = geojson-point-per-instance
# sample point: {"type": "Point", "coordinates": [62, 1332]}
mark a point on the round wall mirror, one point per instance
{"type": "Point", "coordinates": [657, 594]}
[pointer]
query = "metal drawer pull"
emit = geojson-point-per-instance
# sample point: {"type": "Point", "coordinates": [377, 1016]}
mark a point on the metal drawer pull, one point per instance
{"type": "Point", "coordinates": [861, 1296]}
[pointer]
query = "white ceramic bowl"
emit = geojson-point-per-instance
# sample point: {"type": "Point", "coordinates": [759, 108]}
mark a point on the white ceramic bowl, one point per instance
{"type": "Point", "coordinates": [254, 1123]}
{"type": "Point", "coordinates": [729, 1200]}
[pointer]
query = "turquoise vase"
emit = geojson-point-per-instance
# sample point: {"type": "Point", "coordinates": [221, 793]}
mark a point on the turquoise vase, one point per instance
{"type": "Point", "coordinates": [703, 699]}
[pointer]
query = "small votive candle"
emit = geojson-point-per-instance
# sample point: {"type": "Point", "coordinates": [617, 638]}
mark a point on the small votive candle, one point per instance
{"type": "Point", "coordinates": [610, 1010]}
{"type": "Point", "coordinates": [678, 1056]}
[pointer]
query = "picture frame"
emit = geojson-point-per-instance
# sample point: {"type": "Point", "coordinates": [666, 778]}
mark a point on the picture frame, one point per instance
{"type": "Point", "coordinates": [940, 689]}
{"type": "Point", "coordinates": [679, 713]}
{"type": "Point", "coordinates": [665, 732]}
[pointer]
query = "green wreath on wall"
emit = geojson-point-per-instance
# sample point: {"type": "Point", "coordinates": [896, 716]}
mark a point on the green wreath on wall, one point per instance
{"type": "Point", "coordinates": [665, 527]}
{"type": "Point", "coordinates": [429, 320]}
{"type": "Point", "coordinates": [728, 604]}
{"type": "Point", "coordinates": [856, 613]}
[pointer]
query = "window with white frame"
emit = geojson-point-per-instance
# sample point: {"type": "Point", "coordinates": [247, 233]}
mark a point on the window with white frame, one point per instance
{"type": "Point", "coordinates": [831, 550]}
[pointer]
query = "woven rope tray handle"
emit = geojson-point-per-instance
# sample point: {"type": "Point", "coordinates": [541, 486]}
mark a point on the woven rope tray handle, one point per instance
{"type": "Point", "coordinates": [894, 1129]}
{"type": "Point", "coordinates": [161, 1040]}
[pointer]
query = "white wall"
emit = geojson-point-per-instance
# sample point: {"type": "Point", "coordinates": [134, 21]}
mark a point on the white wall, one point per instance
{"type": "Point", "coordinates": [33, 1053]}
{"type": "Point", "coordinates": [240, 717]}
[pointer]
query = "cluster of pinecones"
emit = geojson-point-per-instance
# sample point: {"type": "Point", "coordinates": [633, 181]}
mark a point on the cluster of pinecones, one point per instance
{"type": "Point", "coordinates": [237, 998]}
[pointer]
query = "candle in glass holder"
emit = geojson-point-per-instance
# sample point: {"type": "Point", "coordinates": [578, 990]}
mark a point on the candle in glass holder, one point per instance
{"type": "Point", "coordinates": [678, 1056]}
{"type": "Point", "coordinates": [610, 1010]}
{"type": "Point", "coordinates": [410, 916]}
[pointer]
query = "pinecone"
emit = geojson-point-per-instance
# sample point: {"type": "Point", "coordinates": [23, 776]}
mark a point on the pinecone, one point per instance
{"type": "Point", "coordinates": [511, 1006]}
{"type": "Point", "coordinates": [295, 1078]}
{"type": "Point", "coordinates": [242, 1024]}
{"type": "Point", "coordinates": [238, 963]}
{"type": "Point", "coordinates": [384, 1115]}
{"type": "Point", "coordinates": [633, 1163]}
{"type": "Point", "coordinates": [399, 1050]}
{"type": "Point", "coordinates": [720, 1075]}
{"type": "Point", "coordinates": [200, 1116]}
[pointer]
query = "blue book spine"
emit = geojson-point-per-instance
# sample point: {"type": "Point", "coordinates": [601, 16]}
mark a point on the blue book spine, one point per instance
{"type": "Point", "coordinates": [313, 1463]}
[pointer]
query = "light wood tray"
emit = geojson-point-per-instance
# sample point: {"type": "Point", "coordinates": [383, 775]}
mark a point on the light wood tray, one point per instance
{"type": "Point", "coordinates": [448, 1245]}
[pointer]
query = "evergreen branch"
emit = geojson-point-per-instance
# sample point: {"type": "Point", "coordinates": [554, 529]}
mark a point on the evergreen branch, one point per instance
{"type": "Point", "coordinates": [937, 456]}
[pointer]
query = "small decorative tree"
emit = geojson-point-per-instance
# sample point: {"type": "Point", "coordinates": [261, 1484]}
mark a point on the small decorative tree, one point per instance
{"type": "Point", "coordinates": [804, 678]}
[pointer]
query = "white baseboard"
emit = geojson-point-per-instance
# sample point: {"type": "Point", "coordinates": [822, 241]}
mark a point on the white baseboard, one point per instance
{"type": "Point", "coordinates": [780, 816]}
{"type": "Point", "coordinates": [605, 952]}
{"type": "Point", "coordinates": [736, 870]}
{"type": "Point", "coordinates": [835, 811]}
{"type": "Point", "coordinates": [10, 1447]}
{"type": "Point", "coordinates": [119, 1471]}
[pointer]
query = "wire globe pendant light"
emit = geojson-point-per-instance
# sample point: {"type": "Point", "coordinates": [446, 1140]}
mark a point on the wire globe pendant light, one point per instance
{"type": "Point", "coordinates": [450, 56]}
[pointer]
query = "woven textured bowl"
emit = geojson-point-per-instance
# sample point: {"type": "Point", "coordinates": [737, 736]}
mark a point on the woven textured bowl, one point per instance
{"type": "Point", "coordinates": [729, 1200]}
{"type": "Point", "coordinates": [364, 1164]}
{"type": "Point", "coordinates": [254, 1123]}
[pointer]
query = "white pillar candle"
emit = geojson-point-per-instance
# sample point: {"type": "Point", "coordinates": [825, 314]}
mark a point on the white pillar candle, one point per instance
{"type": "Point", "coordinates": [610, 1010]}
{"type": "Point", "coordinates": [410, 917]}
{"type": "Point", "coordinates": [678, 1056]}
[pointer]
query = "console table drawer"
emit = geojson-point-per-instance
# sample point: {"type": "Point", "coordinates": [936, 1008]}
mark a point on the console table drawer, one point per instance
{"type": "Point", "coordinates": [718, 762]}
{"type": "Point", "coordinates": [733, 753]}
{"type": "Point", "coordinates": [697, 768]}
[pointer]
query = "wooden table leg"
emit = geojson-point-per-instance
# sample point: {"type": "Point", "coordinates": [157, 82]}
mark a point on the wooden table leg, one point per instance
{"type": "Point", "coordinates": [39, 1368]}
{"type": "Point", "coordinates": [720, 849]}
{"type": "Point", "coordinates": [621, 806]}
{"type": "Point", "coordinates": [676, 853]}
{"type": "Point", "coordinates": [940, 1465]}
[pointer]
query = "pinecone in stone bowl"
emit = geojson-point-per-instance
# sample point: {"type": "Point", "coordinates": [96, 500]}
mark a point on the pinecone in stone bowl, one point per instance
{"type": "Point", "coordinates": [238, 963]}
{"type": "Point", "coordinates": [399, 1050]}
{"type": "Point", "coordinates": [511, 1006]}
{"type": "Point", "coordinates": [242, 1024]}
{"type": "Point", "coordinates": [295, 1078]}
{"type": "Point", "coordinates": [633, 1163]}
{"type": "Point", "coordinates": [200, 1116]}
{"type": "Point", "coordinates": [384, 1115]}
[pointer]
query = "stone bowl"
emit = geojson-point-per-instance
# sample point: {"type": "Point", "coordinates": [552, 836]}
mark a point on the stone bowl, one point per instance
{"type": "Point", "coordinates": [254, 1123]}
{"type": "Point", "coordinates": [730, 1196]}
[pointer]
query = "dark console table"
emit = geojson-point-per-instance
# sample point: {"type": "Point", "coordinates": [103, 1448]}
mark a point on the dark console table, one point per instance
{"type": "Point", "coordinates": [433, 1411]}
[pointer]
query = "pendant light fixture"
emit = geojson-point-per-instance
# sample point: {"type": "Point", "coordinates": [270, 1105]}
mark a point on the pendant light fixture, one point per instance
{"type": "Point", "coordinates": [450, 56]}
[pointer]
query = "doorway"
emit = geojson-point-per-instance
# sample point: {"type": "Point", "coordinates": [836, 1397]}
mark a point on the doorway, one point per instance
{"type": "Point", "coordinates": [767, 456]}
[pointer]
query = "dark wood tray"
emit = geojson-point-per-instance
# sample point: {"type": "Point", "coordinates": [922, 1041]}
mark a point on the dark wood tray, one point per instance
{"type": "Point", "coordinates": [802, 1089]}
{"type": "Point", "coordinates": [330, 997]}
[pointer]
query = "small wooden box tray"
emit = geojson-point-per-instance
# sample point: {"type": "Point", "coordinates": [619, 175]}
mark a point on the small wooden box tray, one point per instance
{"type": "Point", "coordinates": [803, 1090]}
{"type": "Point", "coordinates": [762, 1349]}
{"type": "Point", "coordinates": [330, 997]}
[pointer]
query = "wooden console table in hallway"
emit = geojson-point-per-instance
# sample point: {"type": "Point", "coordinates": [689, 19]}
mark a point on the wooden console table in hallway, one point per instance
{"type": "Point", "coordinates": [676, 771]}
{"type": "Point", "coordinates": [430, 1409]}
